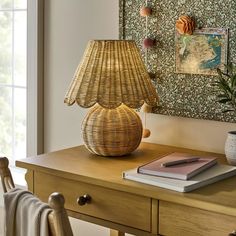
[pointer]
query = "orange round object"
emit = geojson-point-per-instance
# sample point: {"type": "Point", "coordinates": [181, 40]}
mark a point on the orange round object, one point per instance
{"type": "Point", "coordinates": [146, 133]}
{"type": "Point", "coordinates": [185, 25]}
{"type": "Point", "coordinates": [145, 11]}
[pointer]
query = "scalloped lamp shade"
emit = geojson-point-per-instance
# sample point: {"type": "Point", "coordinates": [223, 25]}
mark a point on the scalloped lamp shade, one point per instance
{"type": "Point", "coordinates": [111, 74]}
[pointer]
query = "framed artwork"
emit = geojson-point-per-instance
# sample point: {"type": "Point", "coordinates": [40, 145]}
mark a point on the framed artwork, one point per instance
{"type": "Point", "coordinates": [202, 52]}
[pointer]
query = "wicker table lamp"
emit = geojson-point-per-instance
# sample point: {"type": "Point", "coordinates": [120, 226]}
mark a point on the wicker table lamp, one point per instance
{"type": "Point", "coordinates": [112, 80]}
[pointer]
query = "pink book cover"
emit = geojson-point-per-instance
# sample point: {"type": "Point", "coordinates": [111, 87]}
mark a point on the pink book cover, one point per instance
{"type": "Point", "coordinates": [183, 171]}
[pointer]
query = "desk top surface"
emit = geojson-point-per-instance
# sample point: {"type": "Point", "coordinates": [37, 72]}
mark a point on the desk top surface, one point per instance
{"type": "Point", "coordinates": [78, 164]}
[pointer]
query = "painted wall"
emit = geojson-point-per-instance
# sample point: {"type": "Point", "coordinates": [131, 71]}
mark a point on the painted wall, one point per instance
{"type": "Point", "coordinates": [68, 27]}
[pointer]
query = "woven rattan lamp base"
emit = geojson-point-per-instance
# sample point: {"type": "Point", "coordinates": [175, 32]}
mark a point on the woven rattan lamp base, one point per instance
{"type": "Point", "coordinates": [112, 132]}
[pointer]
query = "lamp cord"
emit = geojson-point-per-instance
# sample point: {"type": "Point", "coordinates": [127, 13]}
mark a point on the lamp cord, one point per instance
{"type": "Point", "coordinates": [146, 49]}
{"type": "Point", "coordinates": [145, 119]}
{"type": "Point", "coordinates": [146, 61]}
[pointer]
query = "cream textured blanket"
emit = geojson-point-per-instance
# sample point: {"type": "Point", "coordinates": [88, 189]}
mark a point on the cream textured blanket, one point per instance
{"type": "Point", "coordinates": [25, 215]}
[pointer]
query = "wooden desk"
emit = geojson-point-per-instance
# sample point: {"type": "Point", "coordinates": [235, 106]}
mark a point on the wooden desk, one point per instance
{"type": "Point", "coordinates": [130, 206]}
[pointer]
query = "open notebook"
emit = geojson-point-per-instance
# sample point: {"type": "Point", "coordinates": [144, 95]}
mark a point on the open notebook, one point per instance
{"type": "Point", "coordinates": [214, 174]}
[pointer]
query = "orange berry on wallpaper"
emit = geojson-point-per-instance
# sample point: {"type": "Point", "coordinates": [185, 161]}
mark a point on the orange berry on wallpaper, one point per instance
{"type": "Point", "coordinates": [146, 133]}
{"type": "Point", "coordinates": [145, 11]}
{"type": "Point", "coordinates": [148, 43]}
{"type": "Point", "coordinates": [185, 25]}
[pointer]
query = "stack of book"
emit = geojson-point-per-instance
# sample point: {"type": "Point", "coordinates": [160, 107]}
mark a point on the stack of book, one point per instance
{"type": "Point", "coordinates": [181, 172]}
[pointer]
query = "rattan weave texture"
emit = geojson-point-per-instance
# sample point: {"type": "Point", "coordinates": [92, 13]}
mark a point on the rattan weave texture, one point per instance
{"type": "Point", "coordinates": [111, 73]}
{"type": "Point", "coordinates": [112, 132]}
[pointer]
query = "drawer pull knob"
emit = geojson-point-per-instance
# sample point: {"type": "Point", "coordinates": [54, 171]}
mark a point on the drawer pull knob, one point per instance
{"type": "Point", "coordinates": [233, 233]}
{"type": "Point", "coordinates": [82, 200]}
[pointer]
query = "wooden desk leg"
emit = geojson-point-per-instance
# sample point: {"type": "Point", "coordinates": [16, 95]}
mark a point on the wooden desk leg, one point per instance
{"type": "Point", "coordinates": [116, 233]}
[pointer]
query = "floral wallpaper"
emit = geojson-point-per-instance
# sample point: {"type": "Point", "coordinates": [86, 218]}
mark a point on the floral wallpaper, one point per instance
{"type": "Point", "coordinates": [180, 94]}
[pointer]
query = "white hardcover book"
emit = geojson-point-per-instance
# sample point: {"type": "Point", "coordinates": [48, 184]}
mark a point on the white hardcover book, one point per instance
{"type": "Point", "coordinates": [212, 175]}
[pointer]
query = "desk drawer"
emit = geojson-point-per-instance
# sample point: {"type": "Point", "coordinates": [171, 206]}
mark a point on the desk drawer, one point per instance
{"type": "Point", "coordinates": [115, 206]}
{"type": "Point", "coordinates": [179, 220]}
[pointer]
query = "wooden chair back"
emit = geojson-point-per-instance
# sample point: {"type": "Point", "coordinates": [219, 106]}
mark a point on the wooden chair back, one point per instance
{"type": "Point", "coordinates": [58, 219]}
